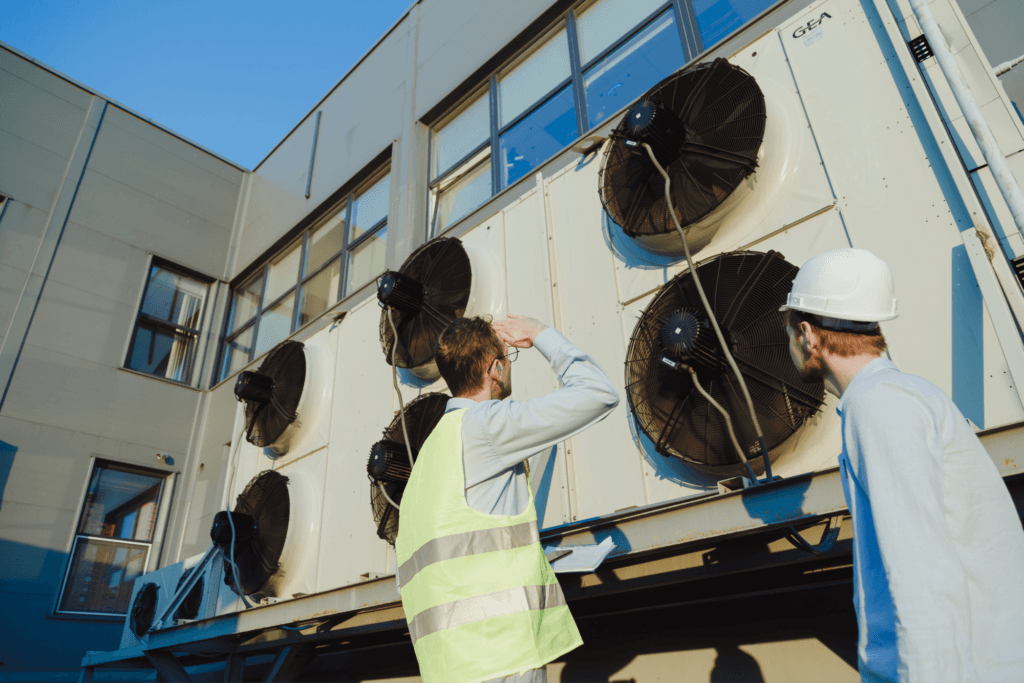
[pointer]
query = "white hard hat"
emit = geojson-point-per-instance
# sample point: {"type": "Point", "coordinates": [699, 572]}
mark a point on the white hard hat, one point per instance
{"type": "Point", "coordinates": [851, 289]}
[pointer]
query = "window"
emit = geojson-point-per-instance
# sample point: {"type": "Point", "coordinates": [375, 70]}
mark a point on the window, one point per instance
{"type": "Point", "coordinates": [341, 252]}
{"type": "Point", "coordinates": [167, 328]}
{"type": "Point", "coordinates": [113, 539]}
{"type": "Point", "coordinates": [597, 60]}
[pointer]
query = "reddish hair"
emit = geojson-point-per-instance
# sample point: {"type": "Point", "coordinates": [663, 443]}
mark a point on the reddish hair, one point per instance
{"type": "Point", "coordinates": [464, 351]}
{"type": "Point", "coordinates": [839, 343]}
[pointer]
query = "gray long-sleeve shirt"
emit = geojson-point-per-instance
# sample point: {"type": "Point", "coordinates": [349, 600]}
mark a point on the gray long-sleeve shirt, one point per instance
{"type": "Point", "coordinates": [498, 436]}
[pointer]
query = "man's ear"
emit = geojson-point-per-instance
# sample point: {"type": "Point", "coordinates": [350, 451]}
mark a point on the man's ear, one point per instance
{"type": "Point", "coordinates": [807, 336]}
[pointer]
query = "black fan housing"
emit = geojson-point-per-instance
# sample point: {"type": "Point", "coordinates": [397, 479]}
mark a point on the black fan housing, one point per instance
{"type": "Point", "coordinates": [388, 465]}
{"type": "Point", "coordinates": [705, 125]}
{"type": "Point", "coordinates": [143, 609]}
{"type": "Point", "coordinates": [189, 607]}
{"type": "Point", "coordinates": [745, 290]}
{"type": "Point", "coordinates": [272, 393]}
{"type": "Point", "coordinates": [261, 515]}
{"type": "Point", "coordinates": [430, 290]}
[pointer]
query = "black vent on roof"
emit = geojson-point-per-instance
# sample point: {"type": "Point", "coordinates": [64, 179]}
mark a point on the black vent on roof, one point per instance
{"type": "Point", "coordinates": [260, 517]}
{"type": "Point", "coordinates": [705, 125]}
{"type": "Point", "coordinates": [920, 48]}
{"type": "Point", "coordinates": [745, 290]}
{"type": "Point", "coordinates": [439, 275]}
{"type": "Point", "coordinates": [388, 465]}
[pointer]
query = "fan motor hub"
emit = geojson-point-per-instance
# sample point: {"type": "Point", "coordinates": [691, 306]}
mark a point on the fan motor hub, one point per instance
{"type": "Point", "coordinates": [389, 462]}
{"type": "Point", "coordinates": [687, 337]}
{"type": "Point", "coordinates": [252, 386]}
{"type": "Point", "coordinates": [650, 121]}
{"type": "Point", "coordinates": [220, 532]}
{"type": "Point", "coordinates": [400, 291]}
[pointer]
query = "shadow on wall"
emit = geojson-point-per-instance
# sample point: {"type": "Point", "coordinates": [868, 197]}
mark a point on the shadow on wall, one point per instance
{"type": "Point", "coordinates": [7, 453]}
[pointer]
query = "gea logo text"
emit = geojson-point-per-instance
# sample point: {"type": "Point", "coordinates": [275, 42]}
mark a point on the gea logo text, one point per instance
{"type": "Point", "coordinates": [811, 25]}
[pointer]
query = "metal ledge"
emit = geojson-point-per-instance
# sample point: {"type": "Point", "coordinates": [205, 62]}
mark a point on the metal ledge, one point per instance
{"type": "Point", "coordinates": [700, 538]}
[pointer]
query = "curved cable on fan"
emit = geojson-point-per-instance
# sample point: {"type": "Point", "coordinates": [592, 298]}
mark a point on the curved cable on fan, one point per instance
{"type": "Point", "coordinates": [793, 536]}
{"type": "Point", "coordinates": [728, 421]}
{"type": "Point", "coordinates": [711, 316]}
{"type": "Point", "coordinates": [401, 406]}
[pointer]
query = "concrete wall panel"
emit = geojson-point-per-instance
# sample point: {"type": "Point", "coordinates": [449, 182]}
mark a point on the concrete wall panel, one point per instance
{"type": "Point", "coordinates": [457, 36]}
{"type": "Point", "coordinates": [19, 111]}
{"type": "Point", "coordinates": [100, 265]}
{"type": "Point", "coordinates": [44, 79]}
{"type": "Point", "coordinates": [29, 173]}
{"type": "Point", "coordinates": [117, 210]}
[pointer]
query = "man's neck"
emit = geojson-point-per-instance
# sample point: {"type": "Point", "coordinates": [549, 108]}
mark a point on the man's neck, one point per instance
{"type": "Point", "coordinates": [840, 371]}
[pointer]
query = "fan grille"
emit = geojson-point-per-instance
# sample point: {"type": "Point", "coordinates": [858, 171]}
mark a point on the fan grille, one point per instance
{"type": "Point", "coordinates": [285, 367]}
{"type": "Point", "coordinates": [745, 290]}
{"type": "Point", "coordinates": [722, 112]}
{"type": "Point", "coordinates": [189, 607]}
{"type": "Point", "coordinates": [421, 416]}
{"type": "Point", "coordinates": [143, 609]}
{"type": "Point", "coordinates": [267, 500]}
{"type": "Point", "coordinates": [442, 267]}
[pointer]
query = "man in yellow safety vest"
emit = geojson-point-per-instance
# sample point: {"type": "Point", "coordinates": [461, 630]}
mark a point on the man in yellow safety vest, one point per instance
{"type": "Point", "coordinates": [481, 600]}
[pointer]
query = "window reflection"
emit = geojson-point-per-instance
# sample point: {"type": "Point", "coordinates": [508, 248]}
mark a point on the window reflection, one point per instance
{"type": "Point", "coordinates": [633, 68]}
{"type": "Point", "coordinates": [538, 137]}
{"type": "Point", "coordinates": [717, 19]}
{"type": "Point", "coordinates": [462, 196]}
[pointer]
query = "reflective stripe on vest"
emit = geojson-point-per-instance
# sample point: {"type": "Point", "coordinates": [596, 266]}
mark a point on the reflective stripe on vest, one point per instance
{"type": "Point", "coordinates": [497, 604]}
{"type": "Point", "coordinates": [468, 543]}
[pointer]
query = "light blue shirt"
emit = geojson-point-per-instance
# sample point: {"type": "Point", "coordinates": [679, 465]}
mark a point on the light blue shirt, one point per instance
{"type": "Point", "coordinates": [938, 546]}
{"type": "Point", "coordinates": [498, 436]}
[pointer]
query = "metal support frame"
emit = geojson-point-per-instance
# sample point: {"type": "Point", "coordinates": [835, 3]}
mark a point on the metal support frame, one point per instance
{"type": "Point", "coordinates": [167, 667]}
{"type": "Point", "coordinates": [662, 550]}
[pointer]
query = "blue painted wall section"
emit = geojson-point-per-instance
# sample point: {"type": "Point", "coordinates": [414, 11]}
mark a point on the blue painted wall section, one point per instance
{"type": "Point", "coordinates": [968, 339]}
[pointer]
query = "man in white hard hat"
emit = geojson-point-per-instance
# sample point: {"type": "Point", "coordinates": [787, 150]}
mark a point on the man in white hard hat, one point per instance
{"type": "Point", "coordinates": [938, 546]}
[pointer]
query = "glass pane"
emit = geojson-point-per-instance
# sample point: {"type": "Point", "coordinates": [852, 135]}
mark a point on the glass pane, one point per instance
{"type": "Point", "coordinates": [320, 292]}
{"type": "Point", "coordinates": [367, 260]}
{"type": "Point", "coordinates": [175, 298]}
{"type": "Point", "coordinates": [275, 324]}
{"type": "Point", "coordinates": [538, 137]}
{"type": "Point", "coordinates": [607, 21]}
{"type": "Point", "coordinates": [371, 207]}
{"type": "Point", "coordinates": [102, 575]}
{"type": "Point", "coordinates": [283, 272]}
{"type": "Point", "coordinates": [236, 353]}
{"type": "Point", "coordinates": [244, 301]}
{"type": "Point", "coordinates": [627, 73]}
{"type": "Point", "coordinates": [719, 18]}
{"type": "Point", "coordinates": [161, 352]}
{"type": "Point", "coordinates": [533, 78]}
{"type": "Point", "coordinates": [462, 135]}
{"type": "Point", "coordinates": [462, 196]}
{"type": "Point", "coordinates": [326, 240]}
{"type": "Point", "coordinates": [120, 503]}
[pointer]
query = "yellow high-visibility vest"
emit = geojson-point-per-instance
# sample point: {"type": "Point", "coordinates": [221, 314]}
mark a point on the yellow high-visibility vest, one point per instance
{"type": "Point", "coordinates": [479, 596]}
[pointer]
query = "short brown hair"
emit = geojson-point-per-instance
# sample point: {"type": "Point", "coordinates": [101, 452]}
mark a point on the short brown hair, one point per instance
{"type": "Point", "coordinates": [839, 343]}
{"type": "Point", "coordinates": [464, 351]}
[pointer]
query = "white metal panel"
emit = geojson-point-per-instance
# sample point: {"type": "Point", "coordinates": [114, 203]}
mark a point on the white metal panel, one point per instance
{"type": "Point", "coordinates": [891, 201]}
{"type": "Point", "coordinates": [300, 559]}
{"type": "Point", "coordinates": [997, 210]}
{"type": "Point", "coordinates": [529, 293]}
{"type": "Point", "coordinates": [349, 545]}
{"type": "Point", "coordinates": [606, 467]}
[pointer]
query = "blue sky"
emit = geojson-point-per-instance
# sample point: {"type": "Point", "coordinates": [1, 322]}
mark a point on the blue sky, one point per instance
{"type": "Point", "coordinates": [232, 76]}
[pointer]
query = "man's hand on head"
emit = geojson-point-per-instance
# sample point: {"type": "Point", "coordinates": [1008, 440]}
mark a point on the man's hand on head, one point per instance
{"type": "Point", "coordinates": [518, 330]}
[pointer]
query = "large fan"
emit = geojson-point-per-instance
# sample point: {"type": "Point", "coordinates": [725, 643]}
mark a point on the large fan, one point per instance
{"type": "Point", "coordinates": [388, 465]}
{"type": "Point", "coordinates": [443, 280]}
{"type": "Point", "coordinates": [705, 126]}
{"type": "Point", "coordinates": [189, 607]}
{"type": "Point", "coordinates": [144, 609]}
{"type": "Point", "coordinates": [260, 520]}
{"type": "Point", "coordinates": [272, 393]}
{"type": "Point", "coordinates": [745, 290]}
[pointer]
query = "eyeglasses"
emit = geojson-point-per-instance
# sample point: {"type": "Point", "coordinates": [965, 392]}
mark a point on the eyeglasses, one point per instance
{"type": "Point", "coordinates": [513, 353]}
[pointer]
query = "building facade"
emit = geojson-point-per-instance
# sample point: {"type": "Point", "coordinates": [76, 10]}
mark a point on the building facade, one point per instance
{"type": "Point", "coordinates": [140, 273]}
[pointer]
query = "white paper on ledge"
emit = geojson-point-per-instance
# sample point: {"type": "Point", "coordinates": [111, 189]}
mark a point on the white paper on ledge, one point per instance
{"type": "Point", "coordinates": [583, 558]}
